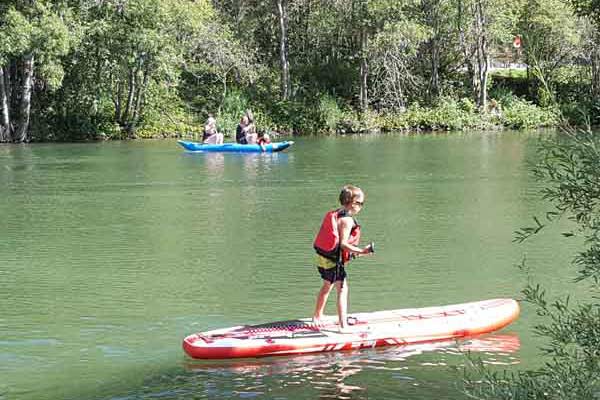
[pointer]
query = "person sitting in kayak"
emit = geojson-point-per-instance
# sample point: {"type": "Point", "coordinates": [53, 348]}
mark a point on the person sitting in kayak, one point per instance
{"type": "Point", "coordinates": [242, 129]}
{"type": "Point", "coordinates": [211, 136]}
{"type": "Point", "coordinates": [251, 136]}
{"type": "Point", "coordinates": [263, 140]}
{"type": "Point", "coordinates": [336, 243]}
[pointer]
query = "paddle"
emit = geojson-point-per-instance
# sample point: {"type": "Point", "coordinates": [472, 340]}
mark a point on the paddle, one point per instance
{"type": "Point", "coordinates": [372, 247]}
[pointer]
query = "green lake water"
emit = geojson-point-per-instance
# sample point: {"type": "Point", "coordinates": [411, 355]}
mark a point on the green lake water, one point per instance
{"type": "Point", "coordinates": [111, 253]}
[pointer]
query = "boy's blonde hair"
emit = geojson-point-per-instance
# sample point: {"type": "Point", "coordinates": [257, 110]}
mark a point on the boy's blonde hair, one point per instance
{"type": "Point", "coordinates": [349, 193]}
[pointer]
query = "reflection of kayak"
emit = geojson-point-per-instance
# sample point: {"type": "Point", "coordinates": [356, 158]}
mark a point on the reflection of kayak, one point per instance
{"type": "Point", "coordinates": [236, 147]}
{"type": "Point", "coordinates": [382, 328]}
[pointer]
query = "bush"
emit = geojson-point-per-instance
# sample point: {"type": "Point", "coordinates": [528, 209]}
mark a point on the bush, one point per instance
{"type": "Point", "coordinates": [448, 115]}
{"type": "Point", "coordinates": [522, 114]}
{"type": "Point", "coordinates": [294, 117]}
{"type": "Point", "coordinates": [330, 113]}
{"type": "Point", "coordinates": [164, 115]}
{"type": "Point", "coordinates": [234, 107]}
{"type": "Point", "coordinates": [503, 95]}
{"type": "Point", "coordinates": [572, 84]}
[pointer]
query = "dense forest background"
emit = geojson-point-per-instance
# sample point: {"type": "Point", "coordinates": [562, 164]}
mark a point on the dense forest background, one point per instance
{"type": "Point", "coordinates": [92, 69]}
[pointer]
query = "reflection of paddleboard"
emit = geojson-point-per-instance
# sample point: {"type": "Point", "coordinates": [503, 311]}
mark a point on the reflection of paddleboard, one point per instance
{"type": "Point", "coordinates": [500, 348]}
{"type": "Point", "coordinates": [236, 147]}
{"type": "Point", "coordinates": [381, 328]}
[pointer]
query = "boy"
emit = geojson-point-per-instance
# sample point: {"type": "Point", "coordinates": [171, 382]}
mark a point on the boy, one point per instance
{"type": "Point", "coordinates": [337, 243]}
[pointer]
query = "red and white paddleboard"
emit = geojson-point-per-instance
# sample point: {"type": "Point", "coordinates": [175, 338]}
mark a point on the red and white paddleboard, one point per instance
{"type": "Point", "coordinates": [381, 328]}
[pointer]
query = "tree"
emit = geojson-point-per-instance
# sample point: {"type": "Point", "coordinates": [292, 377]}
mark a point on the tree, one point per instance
{"type": "Point", "coordinates": [218, 53]}
{"type": "Point", "coordinates": [551, 37]}
{"type": "Point", "coordinates": [125, 73]}
{"type": "Point", "coordinates": [440, 51]}
{"type": "Point", "coordinates": [591, 9]}
{"type": "Point", "coordinates": [483, 25]}
{"type": "Point", "coordinates": [33, 33]}
{"type": "Point", "coordinates": [283, 48]}
{"type": "Point", "coordinates": [393, 54]}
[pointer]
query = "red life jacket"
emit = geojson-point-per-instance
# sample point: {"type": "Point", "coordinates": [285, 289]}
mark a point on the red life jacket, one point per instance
{"type": "Point", "coordinates": [327, 241]}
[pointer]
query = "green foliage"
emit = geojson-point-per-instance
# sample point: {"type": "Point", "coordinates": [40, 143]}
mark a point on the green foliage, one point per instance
{"type": "Point", "coordinates": [158, 67]}
{"type": "Point", "coordinates": [448, 115]}
{"type": "Point", "coordinates": [467, 105]}
{"type": "Point", "coordinates": [451, 115]}
{"type": "Point", "coordinates": [588, 8]}
{"type": "Point", "coordinates": [572, 85]}
{"type": "Point", "coordinates": [514, 82]}
{"type": "Point", "coordinates": [569, 167]}
{"type": "Point", "coordinates": [584, 112]}
{"type": "Point", "coordinates": [295, 117]}
{"type": "Point", "coordinates": [551, 37]}
{"type": "Point", "coordinates": [514, 73]}
{"type": "Point", "coordinates": [331, 114]}
{"type": "Point", "coordinates": [594, 113]}
{"type": "Point", "coordinates": [165, 115]}
{"type": "Point", "coordinates": [235, 105]}
{"type": "Point", "coordinates": [522, 114]}
{"type": "Point", "coordinates": [395, 74]}
{"type": "Point", "coordinates": [15, 34]}
{"type": "Point", "coordinates": [40, 30]}
{"type": "Point", "coordinates": [571, 91]}
{"type": "Point", "coordinates": [503, 95]}
{"type": "Point", "coordinates": [357, 122]}
{"type": "Point", "coordinates": [123, 70]}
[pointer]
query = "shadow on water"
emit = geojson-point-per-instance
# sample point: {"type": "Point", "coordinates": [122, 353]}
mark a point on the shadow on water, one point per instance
{"type": "Point", "coordinates": [393, 372]}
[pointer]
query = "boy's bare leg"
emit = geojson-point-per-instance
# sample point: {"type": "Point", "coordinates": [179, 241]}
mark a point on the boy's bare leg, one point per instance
{"type": "Point", "coordinates": [321, 301]}
{"type": "Point", "coordinates": [342, 302]}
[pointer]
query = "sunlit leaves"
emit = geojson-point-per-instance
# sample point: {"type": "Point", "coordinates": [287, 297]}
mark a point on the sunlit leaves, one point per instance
{"type": "Point", "coordinates": [16, 34]}
{"type": "Point", "coordinates": [40, 30]}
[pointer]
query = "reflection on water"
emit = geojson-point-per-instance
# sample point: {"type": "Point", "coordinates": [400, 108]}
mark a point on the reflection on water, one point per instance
{"type": "Point", "coordinates": [214, 164]}
{"type": "Point", "coordinates": [257, 163]}
{"type": "Point", "coordinates": [338, 374]}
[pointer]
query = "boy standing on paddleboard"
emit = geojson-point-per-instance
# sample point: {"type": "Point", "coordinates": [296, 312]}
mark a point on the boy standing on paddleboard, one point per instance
{"type": "Point", "coordinates": [336, 243]}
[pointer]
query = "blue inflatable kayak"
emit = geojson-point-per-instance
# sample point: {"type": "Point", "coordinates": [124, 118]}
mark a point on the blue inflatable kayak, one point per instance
{"type": "Point", "coordinates": [236, 147]}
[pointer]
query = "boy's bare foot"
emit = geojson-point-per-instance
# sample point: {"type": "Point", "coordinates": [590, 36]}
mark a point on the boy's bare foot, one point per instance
{"type": "Point", "coordinates": [317, 322]}
{"type": "Point", "coordinates": [345, 329]}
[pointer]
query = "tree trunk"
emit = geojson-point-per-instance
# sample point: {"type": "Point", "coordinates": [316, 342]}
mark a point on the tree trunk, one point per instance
{"type": "Point", "coordinates": [5, 131]}
{"type": "Point", "coordinates": [21, 134]}
{"type": "Point", "coordinates": [435, 68]}
{"type": "Point", "coordinates": [137, 111]}
{"type": "Point", "coordinates": [432, 12]}
{"type": "Point", "coordinates": [117, 102]}
{"type": "Point", "coordinates": [283, 49]}
{"type": "Point", "coordinates": [481, 55]}
{"type": "Point", "coordinates": [364, 69]}
{"type": "Point", "coordinates": [98, 96]}
{"type": "Point", "coordinates": [224, 80]}
{"type": "Point", "coordinates": [466, 48]}
{"type": "Point", "coordinates": [595, 63]}
{"type": "Point", "coordinates": [129, 104]}
{"type": "Point", "coordinates": [14, 84]}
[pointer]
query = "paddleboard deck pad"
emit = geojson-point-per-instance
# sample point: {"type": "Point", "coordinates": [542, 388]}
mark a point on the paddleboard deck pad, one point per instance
{"type": "Point", "coordinates": [365, 330]}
